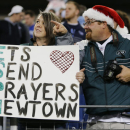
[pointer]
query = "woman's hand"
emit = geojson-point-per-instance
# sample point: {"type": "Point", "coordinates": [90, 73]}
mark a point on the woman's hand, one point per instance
{"type": "Point", "coordinates": [59, 29]}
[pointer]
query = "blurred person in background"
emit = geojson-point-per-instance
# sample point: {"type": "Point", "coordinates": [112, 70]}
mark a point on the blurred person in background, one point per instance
{"type": "Point", "coordinates": [71, 23]}
{"type": "Point", "coordinates": [61, 14]}
{"type": "Point", "coordinates": [81, 11]}
{"type": "Point", "coordinates": [126, 20]}
{"type": "Point", "coordinates": [44, 34]}
{"type": "Point", "coordinates": [30, 21]}
{"type": "Point", "coordinates": [52, 10]}
{"type": "Point", "coordinates": [22, 16]}
{"type": "Point", "coordinates": [12, 31]}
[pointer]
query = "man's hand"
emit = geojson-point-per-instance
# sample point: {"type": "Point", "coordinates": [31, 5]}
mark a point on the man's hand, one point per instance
{"type": "Point", "coordinates": [124, 76]}
{"type": "Point", "coordinates": [80, 76]}
{"type": "Point", "coordinates": [58, 29]}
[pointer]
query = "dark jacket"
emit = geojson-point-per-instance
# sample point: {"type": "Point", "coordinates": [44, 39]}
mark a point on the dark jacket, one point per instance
{"type": "Point", "coordinates": [77, 32]}
{"type": "Point", "coordinates": [96, 90]}
{"type": "Point", "coordinates": [13, 34]}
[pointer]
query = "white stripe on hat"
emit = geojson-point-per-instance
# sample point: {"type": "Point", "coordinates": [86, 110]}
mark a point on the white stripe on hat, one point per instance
{"type": "Point", "coordinates": [94, 14]}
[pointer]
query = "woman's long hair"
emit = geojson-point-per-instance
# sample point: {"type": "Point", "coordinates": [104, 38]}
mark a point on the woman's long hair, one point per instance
{"type": "Point", "coordinates": [47, 17]}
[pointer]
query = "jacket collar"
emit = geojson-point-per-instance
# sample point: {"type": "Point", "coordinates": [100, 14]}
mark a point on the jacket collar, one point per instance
{"type": "Point", "coordinates": [120, 38]}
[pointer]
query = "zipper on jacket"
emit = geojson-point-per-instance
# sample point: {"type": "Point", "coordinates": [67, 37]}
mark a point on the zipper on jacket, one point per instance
{"type": "Point", "coordinates": [102, 78]}
{"type": "Point", "coordinates": [105, 83]}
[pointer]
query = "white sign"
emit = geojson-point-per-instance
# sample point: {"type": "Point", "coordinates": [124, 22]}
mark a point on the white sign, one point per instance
{"type": "Point", "coordinates": [39, 82]}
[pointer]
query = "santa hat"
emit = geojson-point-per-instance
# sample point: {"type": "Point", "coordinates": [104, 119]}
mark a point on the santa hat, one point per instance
{"type": "Point", "coordinates": [122, 31]}
{"type": "Point", "coordinates": [103, 13]}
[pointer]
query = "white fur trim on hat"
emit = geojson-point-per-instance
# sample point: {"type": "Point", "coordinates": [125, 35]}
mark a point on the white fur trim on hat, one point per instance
{"type": "Point", "coordinates": [122, 31]}
{"type": "Point", "coordinates": [94, 14]}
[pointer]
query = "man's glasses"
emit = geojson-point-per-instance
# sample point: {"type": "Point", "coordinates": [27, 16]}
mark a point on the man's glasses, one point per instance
{"type": "Point", "coordinates": [89, 21]}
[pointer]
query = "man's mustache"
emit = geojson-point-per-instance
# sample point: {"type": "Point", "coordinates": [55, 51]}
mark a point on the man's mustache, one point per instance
{"type": "Point", "coordinates": [88, 30]}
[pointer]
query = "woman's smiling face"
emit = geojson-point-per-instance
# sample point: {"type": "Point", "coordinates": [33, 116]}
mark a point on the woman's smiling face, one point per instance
{"type": "Point", "coordinates": [39, 28]}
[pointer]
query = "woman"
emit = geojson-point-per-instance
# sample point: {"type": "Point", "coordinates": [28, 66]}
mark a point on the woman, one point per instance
{"type": "Point", "coordinates": [47, 26]}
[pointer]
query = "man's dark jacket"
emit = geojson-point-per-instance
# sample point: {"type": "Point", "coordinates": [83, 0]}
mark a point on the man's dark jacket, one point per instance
{"type": "Point", "coordinates": [96, 90]}
{"type": "Point", "coordinates": [13, 34]}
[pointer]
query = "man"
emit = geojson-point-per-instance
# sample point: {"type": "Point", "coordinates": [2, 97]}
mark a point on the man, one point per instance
{"type": "Point", "coordinates": [29, 21]}
{"type": "Point", "coordinates": [12, 31]}
{"type": "Point", "coordinates": [102, 85]}
{"type": "Point", "coordinates": [71, 23]}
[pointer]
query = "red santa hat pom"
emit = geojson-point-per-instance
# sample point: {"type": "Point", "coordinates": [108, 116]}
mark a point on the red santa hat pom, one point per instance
{"type": "Point", "coordinates": [103, 13]}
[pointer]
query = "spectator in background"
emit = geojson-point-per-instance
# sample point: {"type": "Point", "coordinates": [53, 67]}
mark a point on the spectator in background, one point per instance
{"type": "Point", "coordinates": [81, 11]}
{"type": "Point", "coordinates": [29, 21]}
{"type": "Point", "coordinates": [126, 20]}
{"type": "Point", "coordinates": [71, 23]}
{"type": "Point", "coordinates": [12, 31]}
{"type": "Point", "coordinates": [62, 14]}
{"type": "Point", "coordinates": [22, 16]}
{"type": "Point", "coordinates": [52, 10]}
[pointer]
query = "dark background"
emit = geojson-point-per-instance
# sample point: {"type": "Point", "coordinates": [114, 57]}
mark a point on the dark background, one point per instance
{"type": "Point", "coordinates": [6, 5]}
